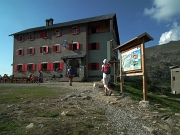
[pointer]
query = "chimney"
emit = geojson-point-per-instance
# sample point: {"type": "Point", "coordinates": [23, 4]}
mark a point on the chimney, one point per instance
{"type": "Point", "coordinates": [50, 21]}
{"type": "Point", "coordinates": [47, 22]}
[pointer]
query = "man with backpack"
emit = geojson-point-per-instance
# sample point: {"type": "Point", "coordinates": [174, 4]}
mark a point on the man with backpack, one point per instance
{"type": "Point", "coordinates": [70, 74]}
{"type": "Point", "coordinates": [106, 69]}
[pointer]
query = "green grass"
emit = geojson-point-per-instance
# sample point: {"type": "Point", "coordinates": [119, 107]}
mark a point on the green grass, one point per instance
{"type": "Point", "coordinates": [9, 94]}
{"type": "Point", "coordinates": [135, 92]}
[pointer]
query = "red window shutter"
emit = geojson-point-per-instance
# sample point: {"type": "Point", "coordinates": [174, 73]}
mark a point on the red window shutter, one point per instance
{"type": "Point", "coordinates": [39, 67]}
{"type": "Point", "coordinates": [27, 38]}
{"type": "Point", "coordinates": [53, 33]}
{"type": "Point", "coordinates": [89, 66]}
{"type": "Point", "coordinates": [41, 34]}
{"type": "Point", "coordinates": [25, 67]}
{"type": "Point", "coordinates": [34, 67]}
{"type": "Point", "coordinates": [47, 49]}
{"type": "Point", "coordinates": [89, 31]}
{"type": "Point", "coordinates": [40, 49]}
{"type": "Point", "coordinates": [70, 31]}
{"type": "Point", "coordinates": [33, 36]}
{"type": "Point", "coordinates": [22, 51]}
{"type": "Point", "coordinates": [27, 51]}
{"type": "Point", "coordinates": [61, 65]}
{"type": "Point", "coordinates": [70, 46]}
{"type": "Point", "coordinates": [22, 38]}
{"type": "Point", "coordinates": [97, 29]}
{"type": "Point", "coordinates": [45, 34]}
{"type": "Point", "coordinates": [78, 46]}
{"type": "Point", "coordinates": [97, 66]}
{"type": "Point", "coordinates": [48, 66]}
{"type": "Point", "coordinates": [17, 52]}
{"type": "Point", "coordinates": [60, 32]}
{"type": "Point", "coordinates": [97, 46]}
{"type": "Point", "coordinates": [78, 30]}
{"type": "Point", "coordinates": [33, 50]}
{"type": "Point", "coordinates": [89, 47]}
{"type": "Point", "coordinates": [15, 68]}
{"type": "Point", "coordinates": [53, 48]}
{"type": "Point", "coordinates": [58, 48]}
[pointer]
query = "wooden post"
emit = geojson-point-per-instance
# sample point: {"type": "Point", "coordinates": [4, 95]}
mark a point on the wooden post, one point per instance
{"type": "Point", "coordinates": [144, 71]}
{"type": "Point", "coordinates": [114, 64]}
{"type": "Point", "coordinates": [121, 77]}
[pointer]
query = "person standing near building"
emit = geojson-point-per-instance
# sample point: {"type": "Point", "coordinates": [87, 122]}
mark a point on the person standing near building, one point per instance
{"type": "Point", "coordinates": [106, 69]}
{"type": "Point", "coordinates": [70, 74]}
{"type": "Point", "coordinates": [40, 77]}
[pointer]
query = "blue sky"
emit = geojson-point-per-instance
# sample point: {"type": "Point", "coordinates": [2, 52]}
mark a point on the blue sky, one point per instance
{"type": "Point", "coordinates": [159, 18]}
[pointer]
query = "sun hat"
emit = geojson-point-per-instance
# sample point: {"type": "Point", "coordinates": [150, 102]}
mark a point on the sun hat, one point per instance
{"type": "Point", "coordinates": [105, 61]}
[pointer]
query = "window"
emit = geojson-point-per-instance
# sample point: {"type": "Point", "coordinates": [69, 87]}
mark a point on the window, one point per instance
{"type": "Point", "coordinates": [94, 29]}
{"type": "Point", "coordinates": [20, 52]}
{"type": "Point", "coordinates": [58, 66]}
{"type": "Point", "coordinates": [43, 34]}
{"type": "Point", "coordinates": [21, 38]}
{"type": "Point", "coordinates": [57, 33]}
{"type": "Point", "coordinates": [44, 49]}
{"type": "Point", "coordinates": [93, 46]}
{"type": "Point", "coordinates": [93, 66]}
{"type": "Point", "coordinates": [75, 30]}
{"type": "Point", "coordinates": [74, 46]}
{"type": "Point", "coordinates": [42, 66]}
{"type": "Point", "coordinates": [56, 48]}
{"type": "Point", "coordinates": [31, 67]}
{"type": "Point", "coordinates": [173, 78]}
{"type": "Point", "coordinates": [18, 68]}
{"type": "Point", "coordinates": [30, 51]}
{"type": "Point", "coordinates": [31, 36]}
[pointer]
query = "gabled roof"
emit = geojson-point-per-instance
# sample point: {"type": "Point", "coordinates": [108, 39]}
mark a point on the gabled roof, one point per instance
{"type": "Point", "coordinates": [75, 22]}
{"type": "Point", "coordinates": [145, 37]}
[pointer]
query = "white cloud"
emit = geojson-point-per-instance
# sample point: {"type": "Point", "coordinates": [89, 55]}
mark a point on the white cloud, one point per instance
{"type": "Point", "coordinates": [171, 35]}
{"type": "Point", "coordinates": [163, 10]}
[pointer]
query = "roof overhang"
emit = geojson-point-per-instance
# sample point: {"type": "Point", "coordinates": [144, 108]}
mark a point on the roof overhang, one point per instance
{"type": "Point", "coordinates": [143, 38]}
{"type": "Point", "coordinates": [72, 56]}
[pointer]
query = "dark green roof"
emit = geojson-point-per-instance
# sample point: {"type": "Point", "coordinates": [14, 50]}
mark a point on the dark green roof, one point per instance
{"type": "Point", "coordinates": [75, 22]}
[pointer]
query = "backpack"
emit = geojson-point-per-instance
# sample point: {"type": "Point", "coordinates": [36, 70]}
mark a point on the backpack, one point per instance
{"type": "Point", "coordinates": [71, 71]}
{"type": "Point", "coordinates": [107, 69]}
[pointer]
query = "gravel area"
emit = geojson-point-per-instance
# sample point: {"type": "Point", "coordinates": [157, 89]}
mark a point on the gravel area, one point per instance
{"type": "Point", "coordinates": [124, 115]}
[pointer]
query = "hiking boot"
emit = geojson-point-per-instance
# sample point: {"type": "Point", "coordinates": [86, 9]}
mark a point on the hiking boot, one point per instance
{"type": "Point", "coordinates": [106, 94]}
{"type": "Point", "coordinates": [110, 92]}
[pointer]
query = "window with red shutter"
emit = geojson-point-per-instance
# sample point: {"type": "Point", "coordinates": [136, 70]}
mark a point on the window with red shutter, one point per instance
{"type": "Point", "coordinates": [89, 66]}
{"type": "Point", "coordinates": [89, 47]}
{"type": "Point", "coordinates": [39, 67]}
{"type": "Point", "coordinates": [70, 31]}
{"type": "Point", "coordinates": [77, 46]}
{"type": "Point", "coordinates": [93, 66]}
{"type": "Point", "coordinates": [47, 49]}
{"type": "Point", "coordinates": [50, 66]}
{"type": "Point", "coordinates": [70, 47]}
{"type": "Point", "coordinates": [78, 30]}
{"type": "Point", "coordinates": [15, 68]}
{"type": "Point", "coordinates": [61, 65]}
{"type": "Point", "coordinates": [41, 49]}
{"type": "Point", "coordinates": [97, 46]}
{"type": "Point", "coordinates": [34, 67]}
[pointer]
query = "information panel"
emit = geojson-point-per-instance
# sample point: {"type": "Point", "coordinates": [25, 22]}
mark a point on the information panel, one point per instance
{"type": "Point", "coordinates": [131, 59]}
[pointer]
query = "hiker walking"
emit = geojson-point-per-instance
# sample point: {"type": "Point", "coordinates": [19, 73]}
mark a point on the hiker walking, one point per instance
{"type": "Point", "coordinates": [106, 69]}
{"type": "Point", "coordinates": [70, 74]}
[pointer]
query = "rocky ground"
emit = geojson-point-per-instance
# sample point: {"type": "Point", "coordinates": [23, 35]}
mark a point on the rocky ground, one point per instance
{"type": "Point", "coordinates": [86, 106]}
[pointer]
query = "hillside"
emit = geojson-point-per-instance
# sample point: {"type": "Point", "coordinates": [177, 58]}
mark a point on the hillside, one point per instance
{"type": "Point", "coordinates": [158, 60]}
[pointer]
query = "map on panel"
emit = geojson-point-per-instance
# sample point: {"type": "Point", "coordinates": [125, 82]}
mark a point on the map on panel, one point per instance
{"type": "Point", "coordinates": [131, 59]}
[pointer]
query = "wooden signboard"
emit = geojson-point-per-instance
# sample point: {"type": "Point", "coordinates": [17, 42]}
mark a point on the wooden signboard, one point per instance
{"type": "Point", "coordinates": [132, 60]}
